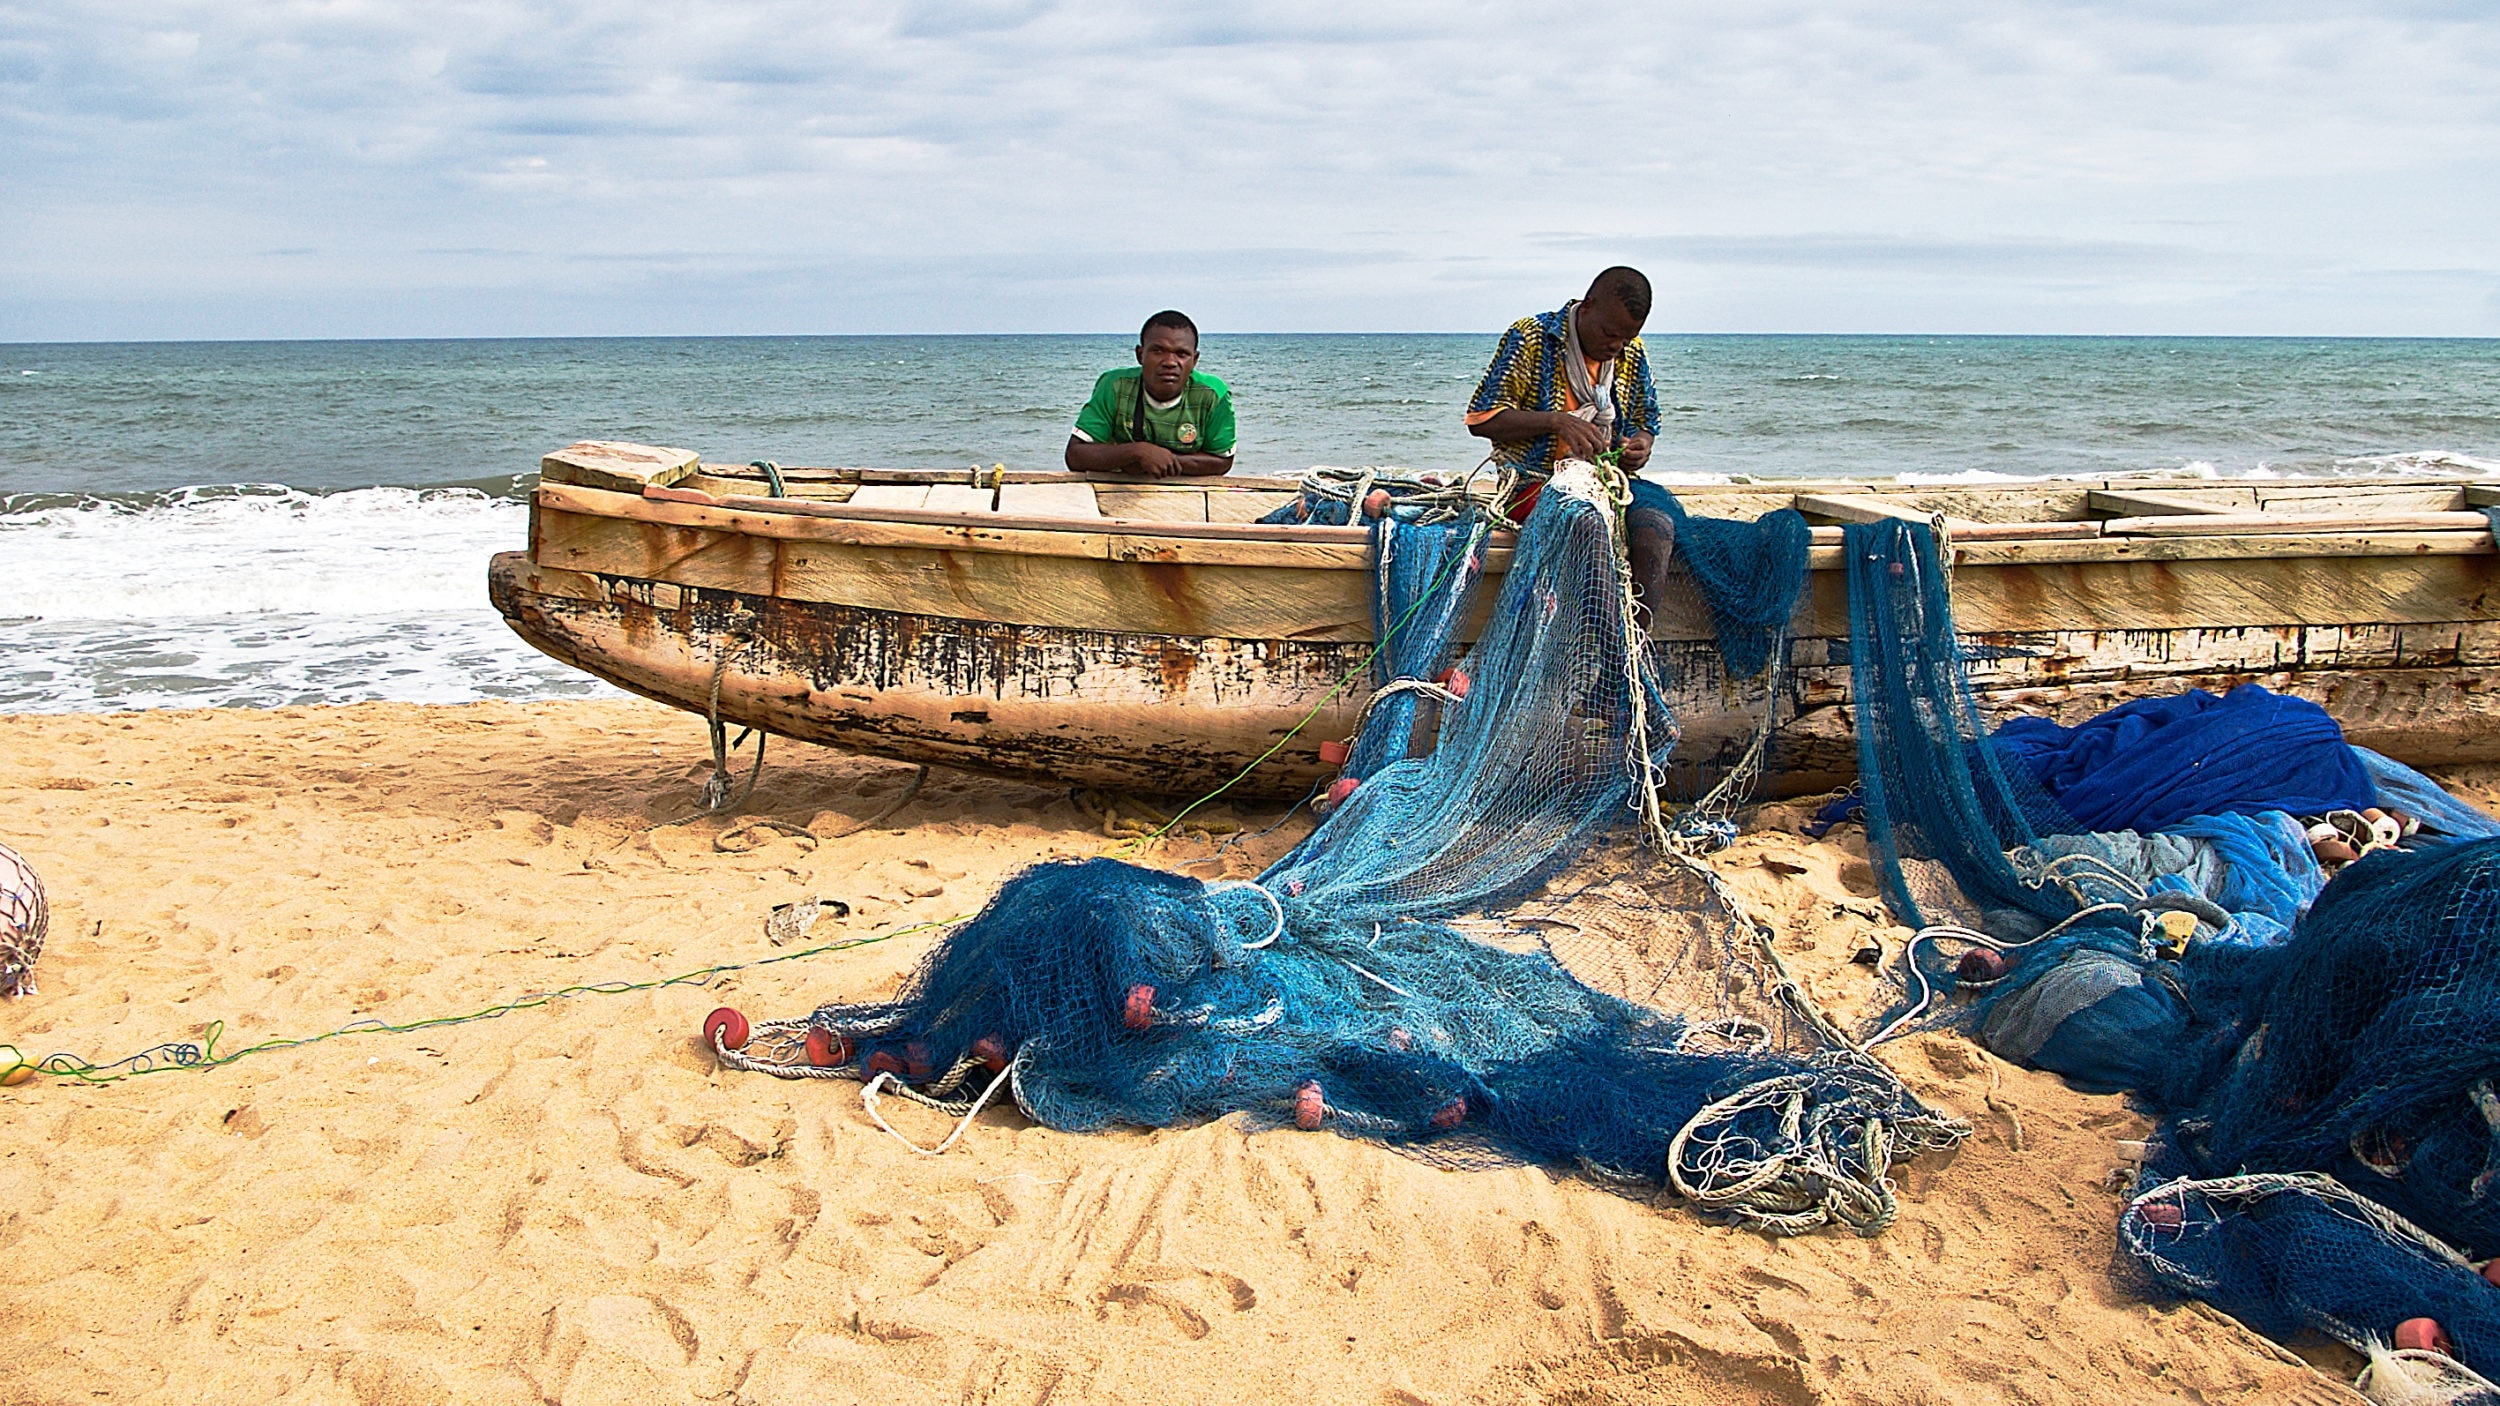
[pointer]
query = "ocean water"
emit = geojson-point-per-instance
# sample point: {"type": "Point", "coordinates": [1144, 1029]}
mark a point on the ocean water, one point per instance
{"type": "Point", "coordinates": [270, 523]}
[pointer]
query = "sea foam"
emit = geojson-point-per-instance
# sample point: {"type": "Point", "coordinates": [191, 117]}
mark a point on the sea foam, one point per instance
{"type": "Point", "coordinates": [262, 596]}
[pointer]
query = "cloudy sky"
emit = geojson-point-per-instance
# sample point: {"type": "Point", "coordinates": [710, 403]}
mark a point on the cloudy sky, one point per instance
{"type": "Point", "coordinates": [243, 168]}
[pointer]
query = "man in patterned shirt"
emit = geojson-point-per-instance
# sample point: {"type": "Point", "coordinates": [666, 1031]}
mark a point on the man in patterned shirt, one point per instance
{"type": "Point", "coordinates": [1570, 384]}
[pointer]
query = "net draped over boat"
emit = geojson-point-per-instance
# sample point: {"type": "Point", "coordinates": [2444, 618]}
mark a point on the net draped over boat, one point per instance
{"type": "Point", "coordinates": [2324, 1053]}
{"type": "Point", "coordinates": [1493, 950]}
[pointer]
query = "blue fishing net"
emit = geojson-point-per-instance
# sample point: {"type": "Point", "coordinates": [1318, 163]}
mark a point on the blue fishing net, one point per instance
{"type": "Point", "coordinates": [1492, 948]}
{"type": "Point", "coordinates": [1424, 579]}
{"type": "Point", "coordinates": [2294, 1255]}
{"type": "Point", "coordinates": [2324, 1053]}
{"type": "Point", "coordinates": [1748, 574]}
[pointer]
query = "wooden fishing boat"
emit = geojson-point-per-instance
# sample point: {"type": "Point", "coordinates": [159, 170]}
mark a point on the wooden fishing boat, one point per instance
{"type": "Point", "coordinates": [1155, 637]}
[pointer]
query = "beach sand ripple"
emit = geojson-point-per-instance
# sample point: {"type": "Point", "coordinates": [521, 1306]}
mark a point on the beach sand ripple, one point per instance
{"type": "Point", "coordinates": [571, 1204]}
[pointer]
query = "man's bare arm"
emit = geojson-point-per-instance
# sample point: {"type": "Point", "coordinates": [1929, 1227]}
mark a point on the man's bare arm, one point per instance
{"type": "Point", "coordinates": [1147, 460]}
{"type": "Point", "coordinates": [1142, 460]}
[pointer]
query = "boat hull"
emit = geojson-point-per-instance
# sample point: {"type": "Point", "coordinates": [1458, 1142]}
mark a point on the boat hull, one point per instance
{"type": "Point", "coordinates": [1183, 714]}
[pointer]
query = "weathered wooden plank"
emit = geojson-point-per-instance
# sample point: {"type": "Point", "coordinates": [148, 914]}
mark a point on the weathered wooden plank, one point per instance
{"type": "Point", "coordinates": [1963, 530]}
{"type": "Point", "coordinates": [2246, 524]}
{"type": "Point", "coordinates": [2359, 497]}
{"type": "Point", "coordinates": [1157, 713]}
{"type": "Point", "coordinates": [616, 465]}
{"type": "Point", "coordinates": [1863, 507]}
{"type": "Point", "coordinates": [892, 495]}
{"type": "Point", "coordinates": [1197, 599]}
{"type": "Point", "coordinates": [1994, 502]}
{"type": "Point", "coordinates": [758, 509]}
{"type": "Point", "coordinates": [2358, 544]}
{"type": "Point", "coordinates": [2142, 504]}
{"type": "Point", "coordinates": [2482, 495]}
{"type": "Point", "coordinates": [908, 527]}
{"type": "Point", "coordinates": [1229, 504]}
{"type": "Point", "coordinates": [1326, 596]}
{"type": "Point", "coordinates": [1152, 504]}
{"type": "Point", "coordinates": [959, 498]}
{"type": "Point", "coordinates": [2191, 593]}
{"type": "Point", "coordinates": [1059, 499]}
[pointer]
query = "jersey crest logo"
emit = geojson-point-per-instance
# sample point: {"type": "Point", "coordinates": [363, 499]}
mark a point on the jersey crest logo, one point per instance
{"type": "Point", "coordinates": [1188, 433]}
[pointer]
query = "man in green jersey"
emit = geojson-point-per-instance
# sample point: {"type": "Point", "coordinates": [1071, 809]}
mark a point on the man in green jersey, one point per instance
{"type": "Point", "coordinates": [1162, 419]}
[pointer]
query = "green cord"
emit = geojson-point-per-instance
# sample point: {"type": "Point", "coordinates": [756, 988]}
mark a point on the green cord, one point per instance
{"type": "Point", "coordinates": [172, 1055]}
{"type": "Point", "coordinates": [1294, 731]}
{"type": "Point", "coordinates": [159, 1059]}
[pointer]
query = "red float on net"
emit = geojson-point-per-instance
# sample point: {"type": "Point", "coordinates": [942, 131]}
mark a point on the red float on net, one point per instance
{"type": "Point", "coordinates": [2423, 1335]}
{"type": "Point", "coordinates": [1980, 964]}
{"type": "Point", "coordinates": [827, 1049]}
{"type": "Point", "coordinates": [725, 1029]}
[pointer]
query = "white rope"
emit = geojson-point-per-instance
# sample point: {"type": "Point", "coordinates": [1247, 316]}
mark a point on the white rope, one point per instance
{"type": "Point", "coordinates": [1384, 981]}
{"type": "Point", "coordinates": [1273, 904]}
{"type": "Point", "coordinates": [868, 1100]}
{"type": "Point", "coordinates": [1955, 931]}
{"type": "Point", "coordinates": [1829, 1160]}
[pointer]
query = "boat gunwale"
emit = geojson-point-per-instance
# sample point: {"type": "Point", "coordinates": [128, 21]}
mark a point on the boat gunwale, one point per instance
{"type": "Point", "coordinates": [1347, 548]}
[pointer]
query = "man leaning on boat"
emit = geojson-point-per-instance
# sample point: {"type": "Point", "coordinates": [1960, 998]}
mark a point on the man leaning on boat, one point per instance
{"type": "Point", "coordinates": [1162, 418]}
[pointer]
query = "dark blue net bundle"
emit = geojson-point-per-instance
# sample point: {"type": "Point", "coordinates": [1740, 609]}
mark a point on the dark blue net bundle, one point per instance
{"type": "Point", "coordinates": [1748, 574]}
{"type": "Point", "coordinates": [1481, 953]}
{"type": "Point", "coordinates": [2155, 762]}
{"type": "Point", "coordinates": [2134, 905]}
{"type": "Point", "coordinates": [2295, 1255]}
{"type": "Point", "coordinates": [2372, 1043]}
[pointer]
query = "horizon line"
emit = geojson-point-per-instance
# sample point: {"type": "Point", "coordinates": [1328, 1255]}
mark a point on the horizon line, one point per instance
{"type": "Point", "coordinates": [1478, 332]}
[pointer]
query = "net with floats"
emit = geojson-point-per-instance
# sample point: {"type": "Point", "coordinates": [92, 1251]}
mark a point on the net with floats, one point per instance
{"type": "Point", "coordinates": [1497, 946]}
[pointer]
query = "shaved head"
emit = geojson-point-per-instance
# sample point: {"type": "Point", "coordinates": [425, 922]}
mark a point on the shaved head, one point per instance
{"type": "Point", "coordinates": [1626, 288]}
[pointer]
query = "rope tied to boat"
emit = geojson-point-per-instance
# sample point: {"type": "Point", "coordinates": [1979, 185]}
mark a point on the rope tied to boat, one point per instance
{"type": "Point", "coordinates": [720, 791]}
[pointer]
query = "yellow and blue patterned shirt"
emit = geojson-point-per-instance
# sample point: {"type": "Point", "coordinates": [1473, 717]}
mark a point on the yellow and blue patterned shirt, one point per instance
{"type": "Point", "coordinates": [1527, 373]}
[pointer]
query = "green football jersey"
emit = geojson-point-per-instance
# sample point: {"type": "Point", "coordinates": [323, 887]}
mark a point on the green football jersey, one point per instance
{"type": "Point", "coordinates": [1200, 421]}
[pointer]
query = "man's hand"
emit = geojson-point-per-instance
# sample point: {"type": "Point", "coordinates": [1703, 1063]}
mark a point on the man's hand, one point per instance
{"type": "Point", "coordinates": [1144, 460]}
{"type": "Point", "coordinates": [1578, 438]}
{"type": "Point", "coordinates": [1636, 451]}
{"type": "Point", "coordinates": [1152, 460]}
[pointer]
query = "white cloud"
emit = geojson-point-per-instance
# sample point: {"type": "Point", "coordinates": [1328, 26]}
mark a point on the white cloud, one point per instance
{"type": "Point", "coordinates": [352, 167]}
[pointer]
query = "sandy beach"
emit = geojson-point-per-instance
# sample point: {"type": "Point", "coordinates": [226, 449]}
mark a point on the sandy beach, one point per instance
{"type": "Point", "coordinates": [570, 1203]}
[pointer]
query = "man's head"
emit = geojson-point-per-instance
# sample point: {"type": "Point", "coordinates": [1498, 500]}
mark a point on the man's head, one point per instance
{"type": "Point", "coordinates": [1612, 313]}
{"type": "Point", "coordinates": [1167, 347]}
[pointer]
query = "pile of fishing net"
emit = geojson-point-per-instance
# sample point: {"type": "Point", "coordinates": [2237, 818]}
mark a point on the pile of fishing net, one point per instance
{"type": "Point", "coordinates": [1497, 946]}
{"type": "Point", "coordinates": [2323, 1049]}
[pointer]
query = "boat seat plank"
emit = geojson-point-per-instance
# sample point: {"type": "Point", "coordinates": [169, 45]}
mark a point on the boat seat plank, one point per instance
{"type": "Point", "coordinates": [1868, 508]}
{"type": "Point", "coordinates": [2482, 495]}
{"type": "Point", "coordinates": [1230, 504]}
{"type": "Point", "coordinates": [2138, 504]}
{"type": "Point", "coordinates": [890, 495]}
{"type": "Point", "coordinates": [957, 498]}
{"type": "Point", "coordinates": [1062, 499]}
{"type": "Point", "coordinates": [617, 466]}
{"type": "Point", "coordinates": [1137, 503]}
